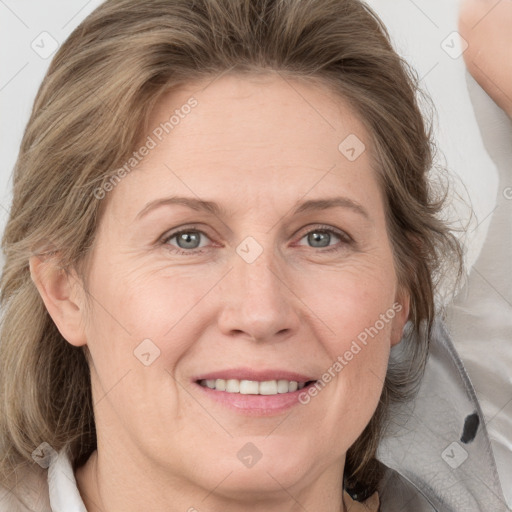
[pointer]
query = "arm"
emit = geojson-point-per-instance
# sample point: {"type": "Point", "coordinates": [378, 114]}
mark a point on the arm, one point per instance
{"type": "Point", "coordinates": [487, 27]}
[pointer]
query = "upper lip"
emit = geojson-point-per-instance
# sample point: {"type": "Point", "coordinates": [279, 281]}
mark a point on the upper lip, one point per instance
{"type": "Point", "coordinates": [252, 374]}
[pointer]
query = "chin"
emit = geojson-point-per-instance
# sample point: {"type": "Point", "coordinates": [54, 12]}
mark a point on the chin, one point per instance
{"type": "Point", "coordinates": [257, 469]}
{"type": "Point", "coordinates": [246, 484]}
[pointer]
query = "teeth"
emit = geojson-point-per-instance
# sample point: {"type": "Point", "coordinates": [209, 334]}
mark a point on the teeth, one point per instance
{"type": "Point", "coordinates": [233, 386]}
{"type": "Point", "coordinates": [268, 387]}
{"type": "Point", "coordinates": [283, 386]}
{"type": "Point", "coordinates": [253, 387]}
{"type": "Point", "coordinates": [249, 387]}
{"type": "Point", "coordinates": [220, 385]}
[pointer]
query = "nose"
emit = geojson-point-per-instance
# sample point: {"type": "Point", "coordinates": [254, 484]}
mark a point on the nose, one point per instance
{"type": "Point", "coordinates": [258, 302]}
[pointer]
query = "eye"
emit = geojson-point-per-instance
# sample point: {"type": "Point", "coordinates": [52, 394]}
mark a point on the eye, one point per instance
{"type": "Point", "coordinates": [188, 241]}
{"type": "Point", "coordinates": [321, 237]}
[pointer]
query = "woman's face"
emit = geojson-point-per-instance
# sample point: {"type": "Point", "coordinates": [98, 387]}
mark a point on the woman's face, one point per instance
{"type": "Point", "coordinates": [283, 272]}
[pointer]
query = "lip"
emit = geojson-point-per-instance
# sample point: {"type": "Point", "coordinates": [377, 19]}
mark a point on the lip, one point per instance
{"type": "Point", "coordinates": [254, 405]}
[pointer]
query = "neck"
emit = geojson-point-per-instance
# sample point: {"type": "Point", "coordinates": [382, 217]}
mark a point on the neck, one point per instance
{"type": "Point", "coordinates": [108, 484]}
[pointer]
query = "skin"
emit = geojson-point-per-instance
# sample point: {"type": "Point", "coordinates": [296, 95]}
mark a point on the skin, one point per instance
{"type": "Point", "coordinates": [485, 25]}
{"type": "Point", "coordinates": [255, 145]}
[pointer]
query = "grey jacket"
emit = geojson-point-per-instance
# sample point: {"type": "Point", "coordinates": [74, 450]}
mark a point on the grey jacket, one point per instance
{"type": "Point", "coordinates": [437, 453]}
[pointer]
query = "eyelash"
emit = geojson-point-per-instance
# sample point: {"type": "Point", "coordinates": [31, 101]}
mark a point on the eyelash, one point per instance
{"type": "Point", "coordinates": [345, 239]}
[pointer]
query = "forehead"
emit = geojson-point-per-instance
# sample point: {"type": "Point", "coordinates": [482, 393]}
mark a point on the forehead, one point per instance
{"type": "Point", "coordinates": [254, 109]}
{"type": "Point", "coordinates": [258, 137]}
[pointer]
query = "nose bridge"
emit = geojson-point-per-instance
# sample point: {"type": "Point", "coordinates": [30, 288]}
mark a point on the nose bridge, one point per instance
{"type": "Point", "coordinates": [256, 298]}
{"type": "Point", "coordinates": [259, 278]}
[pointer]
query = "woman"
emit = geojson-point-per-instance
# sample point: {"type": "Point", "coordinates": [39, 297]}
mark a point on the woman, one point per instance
{"type": "Point", "coordinates": [221, 224]}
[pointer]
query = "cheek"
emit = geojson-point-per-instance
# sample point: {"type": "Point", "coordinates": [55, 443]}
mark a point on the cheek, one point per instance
{"type": "Point", "coordinates": [139, 327]}
{"type": "Point", "coordinates": [352, 299]}
{"type": "Point", "coordinates": [357, 306]}
{"type": "Point", "coordinates": [356, 375]}
{"type": "Point", "coordinates": [135, 336]}
{"type": "Point", "coordinates": [148, 304]}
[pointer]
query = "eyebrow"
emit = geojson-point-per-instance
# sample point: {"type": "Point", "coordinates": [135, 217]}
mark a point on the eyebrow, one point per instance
{"type": "Point", "coordinates": [217, 210]}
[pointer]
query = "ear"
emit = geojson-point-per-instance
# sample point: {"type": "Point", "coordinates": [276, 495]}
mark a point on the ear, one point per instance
{"type": "Point", "coordinates": [63, 295]}
{"type": "Point", "coordinates": [401, 307]}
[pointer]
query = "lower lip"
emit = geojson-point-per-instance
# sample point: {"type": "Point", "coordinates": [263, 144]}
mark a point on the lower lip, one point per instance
{"type": "Point", "coordinates": [257, 405]}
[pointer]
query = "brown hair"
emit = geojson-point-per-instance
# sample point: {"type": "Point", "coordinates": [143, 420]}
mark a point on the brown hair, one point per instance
{"type": "Point", "coordinates": [91, 110]}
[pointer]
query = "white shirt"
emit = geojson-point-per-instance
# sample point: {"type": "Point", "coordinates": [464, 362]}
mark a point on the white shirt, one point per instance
{"type": "Point", "coordinates": [62, 488]}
